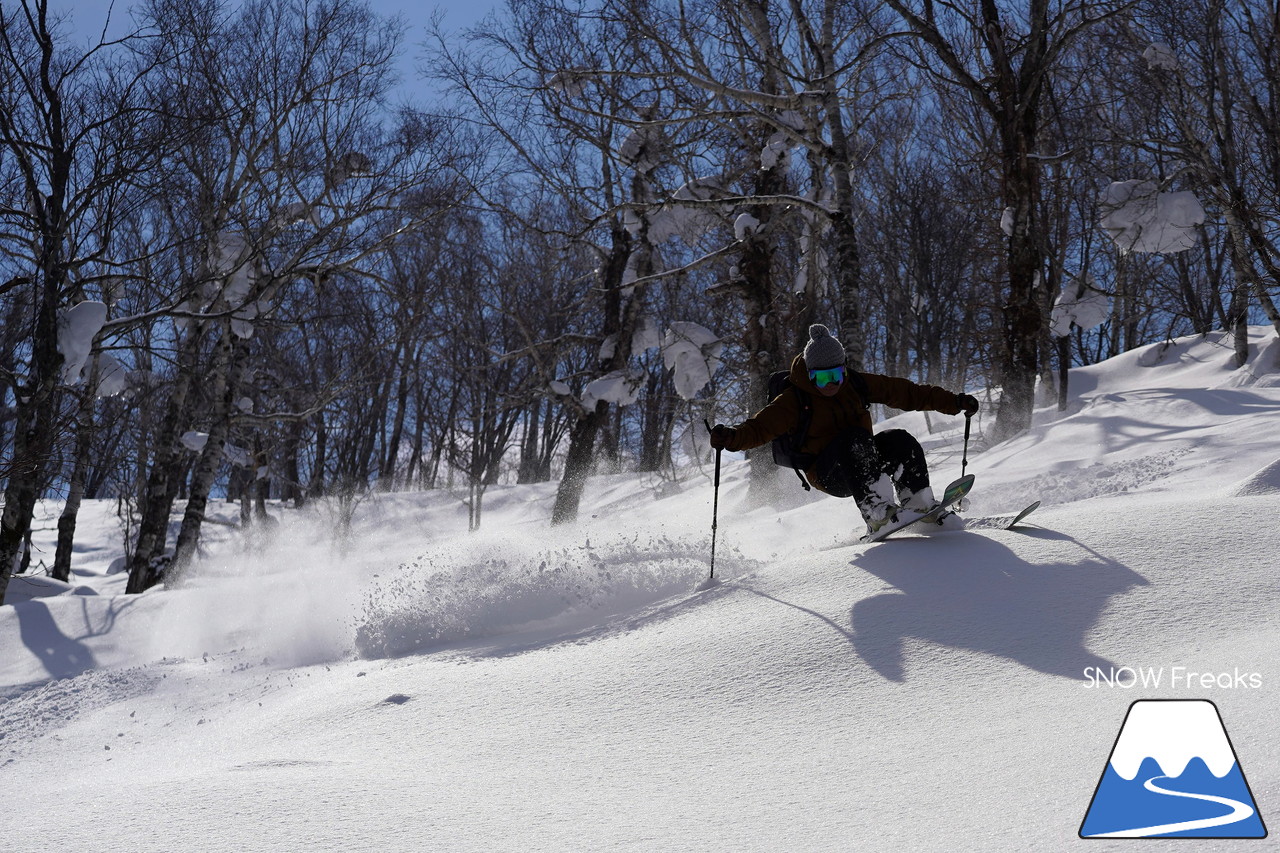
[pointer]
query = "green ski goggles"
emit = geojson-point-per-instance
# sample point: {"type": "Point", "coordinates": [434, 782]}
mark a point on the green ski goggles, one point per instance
{"type": "Point", "coordinates": [823, 378]}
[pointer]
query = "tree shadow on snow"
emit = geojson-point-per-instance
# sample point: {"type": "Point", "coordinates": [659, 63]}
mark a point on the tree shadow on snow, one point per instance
{"type": "Point", "coordinates": [978, 595]}
{"type": "Point", "coordinates": [61, 656]}
{"type": "Point", "coordinates": [1115, 432]}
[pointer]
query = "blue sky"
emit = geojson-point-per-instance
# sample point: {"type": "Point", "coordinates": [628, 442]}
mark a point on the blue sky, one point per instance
{"type": "Point", "coordinates": [88, 17]}
{"type": "Point", "coordinates": [90, 14]}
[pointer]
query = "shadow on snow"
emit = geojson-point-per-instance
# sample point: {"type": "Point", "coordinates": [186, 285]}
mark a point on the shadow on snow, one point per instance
{"type": "Point", "coordinates": [982, 597]}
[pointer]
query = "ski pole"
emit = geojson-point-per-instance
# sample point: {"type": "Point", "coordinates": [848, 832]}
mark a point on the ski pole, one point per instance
{"type": "Point", "coordinates": [964, 459]}
{"type": "Point", "coordinates": [715, 506]}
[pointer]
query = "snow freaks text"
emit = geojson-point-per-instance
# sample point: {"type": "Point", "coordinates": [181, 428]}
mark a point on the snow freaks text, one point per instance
{"type": "Point", "coordinates": [1175, 677]}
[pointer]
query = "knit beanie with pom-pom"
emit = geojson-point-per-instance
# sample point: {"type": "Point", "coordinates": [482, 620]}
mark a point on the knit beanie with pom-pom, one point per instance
{"type": "Point", "coordinates": [823, 351]}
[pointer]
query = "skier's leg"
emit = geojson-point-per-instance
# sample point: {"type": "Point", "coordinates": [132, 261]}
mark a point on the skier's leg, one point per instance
{"type": "Point", "coordinates": [849, 464]}
{"type": "Point", "coordinates": [905, 464]}
{"type": "Point", "coordinates": [851, 467]}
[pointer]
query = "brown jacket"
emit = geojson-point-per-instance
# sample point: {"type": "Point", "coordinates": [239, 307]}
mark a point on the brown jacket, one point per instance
{"type": "Point", "coordinates": [834, 415]}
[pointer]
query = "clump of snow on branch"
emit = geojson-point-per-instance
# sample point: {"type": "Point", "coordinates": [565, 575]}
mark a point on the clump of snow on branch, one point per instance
{"type": "Point", "coordinates": [1140, 218]}
{"type": "Point", "coordinates": [631, 273]}
{"type": "Point", "coordinates": [229, 262]}
{"type": "Point", "coordinates": [621, 387]}
{"type": "Point", "coordinates": [113, 379]}
{"type": "Point", "coordinates": [353, 164]}
{"type": "Point", "coordinates": [643, 148]}
{"type": "Point", "coordinates": [692, 352]}
{"type": "Point", "coordinates": [77, 327]}
{"type": "Point", "coordinates": [295, 214]}
{"type": "Point", "coordinates": [607, 348]}
{"type": "Point", "coordinates": [571, 82]}
{"type": "Point", "coordinates": [776, 152]}
{"type": "Point", "coordinates": [633, 220]}
{"type": "Point", "coordinates": [688, 222]}
{"type": "Point", "coordinates": [229, 253]}
{"type": "Point", "coordinates": [196, 441]}
{"type": "Point", "coordinates": [1160, 55]}
{"type": "Point", "coordinates": [646, 337]}
{"type": "Point", "coordinates": [792, 119]}
{"type": "Point", "coordinates": [745, 226]}
{"type": "Point", "coordinates": [232, 260]}
{"type": "Point", "coordinates": [1079, 303]}
{"type": "Point", "coordinates": [242, 321]}
{"type": "Point", "coordinates": [1006, 222]}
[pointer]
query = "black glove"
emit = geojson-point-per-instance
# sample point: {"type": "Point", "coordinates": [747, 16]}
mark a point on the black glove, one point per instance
{"type": "Point", "coordinates": [968, 404]}
{"type": "Point", "coordinates": [721, 435]}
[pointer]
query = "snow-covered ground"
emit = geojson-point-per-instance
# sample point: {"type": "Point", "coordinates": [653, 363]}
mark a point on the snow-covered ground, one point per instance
{"type": "Point", "coordinates": [527, 688]}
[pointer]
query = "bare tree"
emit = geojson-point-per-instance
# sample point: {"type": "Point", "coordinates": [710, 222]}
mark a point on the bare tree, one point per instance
{"type": "Point", "coordinates": [540, 85]}
{"type": "Point", "coordinates": [1209, 103]}
{"type": "Point", "coordinates": [1003, 58]}
{"type": "Point", "coordinates": [74, 131]}
{"type": "Point", "coordinates": [294, 175]}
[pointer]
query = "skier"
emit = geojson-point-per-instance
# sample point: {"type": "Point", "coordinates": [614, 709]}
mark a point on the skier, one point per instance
{"type": "Point", "coordinates": [839, 454]}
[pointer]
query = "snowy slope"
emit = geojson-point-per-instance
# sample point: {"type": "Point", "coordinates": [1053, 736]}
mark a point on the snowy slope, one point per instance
{"type": "Point", "coordinates": [573, 690]}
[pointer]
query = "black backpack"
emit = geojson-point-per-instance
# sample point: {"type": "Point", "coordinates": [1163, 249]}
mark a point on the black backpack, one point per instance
{"type": "Point", "coordinates": [786, 448]}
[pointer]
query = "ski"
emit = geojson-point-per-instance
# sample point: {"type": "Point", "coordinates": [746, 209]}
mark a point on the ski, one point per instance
{"type": "Point", "coordinates": [1000, 522]}
{"type": "Point", "coordinates": [950, 497]}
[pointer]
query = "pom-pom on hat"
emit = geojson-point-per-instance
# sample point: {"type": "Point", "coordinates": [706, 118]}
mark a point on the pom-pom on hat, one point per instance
{"type": "Point", "coordinates": [823, 351]}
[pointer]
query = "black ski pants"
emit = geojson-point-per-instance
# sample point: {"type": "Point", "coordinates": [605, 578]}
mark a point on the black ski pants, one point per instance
{"type": "Point", "coordinates": [855, 460]}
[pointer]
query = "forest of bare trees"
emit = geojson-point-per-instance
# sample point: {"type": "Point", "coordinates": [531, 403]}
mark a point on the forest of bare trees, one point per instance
{"type": "Point", "coordinates": [237, 262]}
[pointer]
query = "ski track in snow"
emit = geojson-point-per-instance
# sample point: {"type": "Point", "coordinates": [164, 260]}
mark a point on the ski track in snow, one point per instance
{"type": "Point", "coordinates": [1099, 479]}
{"type": "Point", "coordinates": [40, 712]}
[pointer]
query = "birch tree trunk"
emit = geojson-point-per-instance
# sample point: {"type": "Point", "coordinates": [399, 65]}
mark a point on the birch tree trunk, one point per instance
{"type": "Point", "coordinates": [162, 488]}
{"type": "Point", "coordinates": [577, 464]}
{"type": "Point", "coordinates": [42, 159]}
{"type": "Point", "coordinates": [620, 316]}
{"type": "Point", "coordinates": [228, 369]}
{"type": "Point", "coordinates": [76, 486]}
{"type": "Point", "coordinates": [33, 435]}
